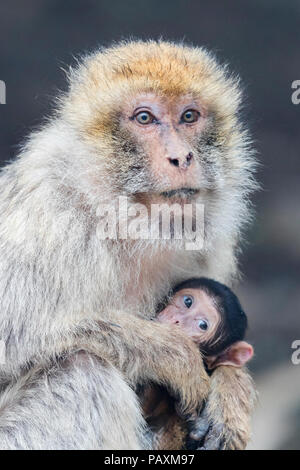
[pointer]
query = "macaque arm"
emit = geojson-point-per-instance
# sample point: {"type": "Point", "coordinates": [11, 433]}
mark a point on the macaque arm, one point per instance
{"type": "Point", "coordinates": [224, 423]}
{"type": "Point", "coordinates": [146, 351]}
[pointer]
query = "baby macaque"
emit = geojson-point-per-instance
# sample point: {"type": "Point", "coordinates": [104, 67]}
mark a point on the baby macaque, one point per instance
{"type": "Point", "coordinates": [211, 314]}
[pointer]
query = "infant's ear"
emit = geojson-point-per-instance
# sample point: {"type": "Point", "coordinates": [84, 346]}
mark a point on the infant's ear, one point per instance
{"type": "Point", "coordinates": [237, 355]}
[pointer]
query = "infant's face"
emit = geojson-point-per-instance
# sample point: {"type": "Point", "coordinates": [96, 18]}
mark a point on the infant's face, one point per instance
{"type": "Point", "coordinates": [194, 312]}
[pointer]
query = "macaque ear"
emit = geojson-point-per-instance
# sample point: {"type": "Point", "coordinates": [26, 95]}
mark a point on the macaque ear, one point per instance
{"type": "Point", "coordinates": [236, 355]}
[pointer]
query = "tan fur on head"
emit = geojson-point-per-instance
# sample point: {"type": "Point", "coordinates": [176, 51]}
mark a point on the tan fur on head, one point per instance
{"type": "Point", "coordinates": [105, 79]}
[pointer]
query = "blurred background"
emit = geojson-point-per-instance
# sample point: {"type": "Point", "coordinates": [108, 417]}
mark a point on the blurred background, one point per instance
{"type": "Point", "coordinates": [261, 41]}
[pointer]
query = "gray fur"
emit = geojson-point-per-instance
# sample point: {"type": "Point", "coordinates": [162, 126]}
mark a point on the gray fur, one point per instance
{"type": "Point", "coordinates": [55, 273]}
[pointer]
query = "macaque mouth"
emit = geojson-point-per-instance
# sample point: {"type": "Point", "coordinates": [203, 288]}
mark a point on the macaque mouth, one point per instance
{"type": "Point", "coordinates": [182, 193]}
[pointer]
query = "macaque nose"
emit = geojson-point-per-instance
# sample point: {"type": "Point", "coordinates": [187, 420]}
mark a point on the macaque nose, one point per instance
{"type": "Point", "coordinates": [182, 163]}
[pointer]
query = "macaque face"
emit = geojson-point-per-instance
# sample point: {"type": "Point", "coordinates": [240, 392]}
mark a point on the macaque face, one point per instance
{"type": "Point", "coordinates": [195, 312]}
{"type": "Point", "coordinates": [166, 131]}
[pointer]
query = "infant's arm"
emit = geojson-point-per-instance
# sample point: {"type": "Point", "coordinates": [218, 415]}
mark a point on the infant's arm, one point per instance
{"type": "Point", "coordinates": [225, 422]}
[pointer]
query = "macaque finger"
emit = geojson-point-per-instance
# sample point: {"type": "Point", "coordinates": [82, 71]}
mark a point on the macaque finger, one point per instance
{"type": "Point", "coordinates": [199, 427]}
{"type": "Point", "coordinates": [214, 439]}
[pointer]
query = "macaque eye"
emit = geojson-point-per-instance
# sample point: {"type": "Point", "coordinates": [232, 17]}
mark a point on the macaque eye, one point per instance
{"type": "Point", "coordinates": [190, 116]}
{"type": "Point", "coordinates": [203, 325]}
{"type": "Point", "coordinates": [144, 117]}
{"type": "Point", "coordinates": [188, 301]}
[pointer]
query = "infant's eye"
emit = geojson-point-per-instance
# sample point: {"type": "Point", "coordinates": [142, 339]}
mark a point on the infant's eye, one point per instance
{"type": "Point", "coordinates": [190, 116]}
{"type": "Point", "coordinates": [188, 300]}
{"type": "Point", "coordinates": [144, 117]}
{"type": "Point", "coordinates": [203, 325]}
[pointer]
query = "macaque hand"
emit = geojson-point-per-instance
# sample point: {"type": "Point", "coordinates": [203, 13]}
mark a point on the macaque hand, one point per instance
{"type": "Point", "coordinates": [211, 435]}
{"type": "Point", "coordinates": [224, 423]}
{"type": "Point", "coordinates": [179, 366]}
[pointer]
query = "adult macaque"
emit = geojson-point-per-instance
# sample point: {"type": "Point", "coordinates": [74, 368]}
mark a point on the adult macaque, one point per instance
{"type": "Point", "coordinates": [211, 314]}
{"type": "Point", "coordinates": [155, 122]}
